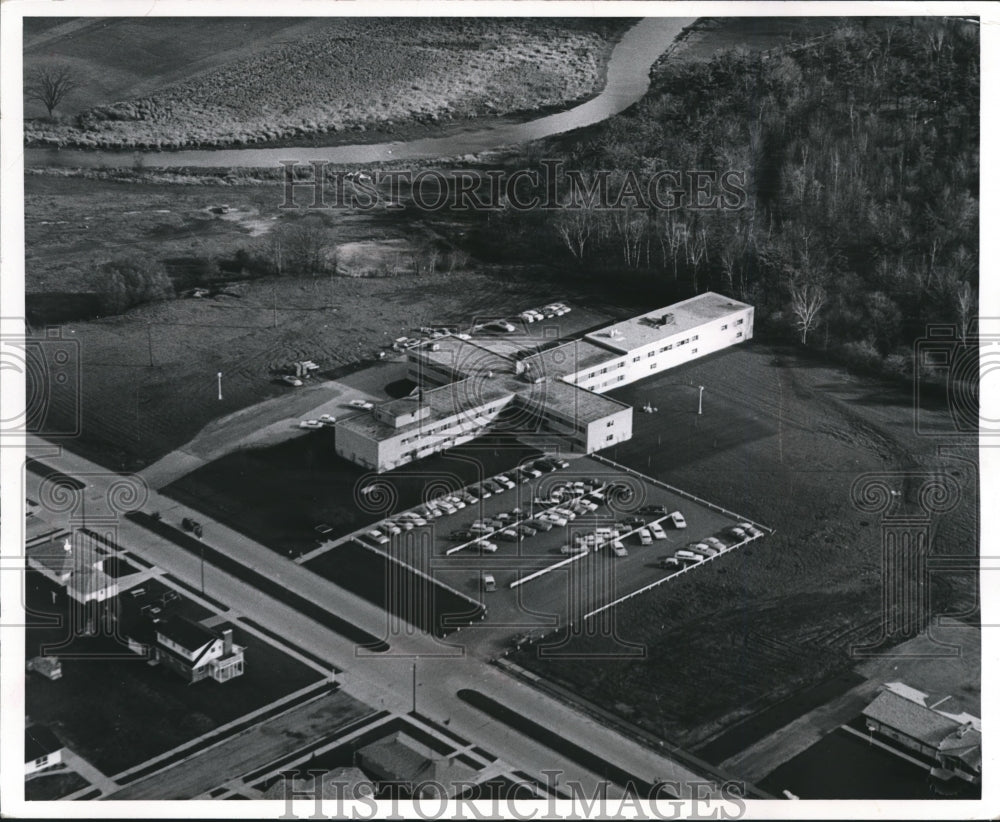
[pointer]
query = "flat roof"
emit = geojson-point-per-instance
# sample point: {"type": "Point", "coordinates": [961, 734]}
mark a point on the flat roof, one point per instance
{"type": "Point", "coordinates": [572, 401]}
{"type": "Point", "coordinates": [644, 329]}
{"type": "Point", "coordinates": [466, 356]}
{"type": "Point", "coordinates": [569, 358]}
{"type": "Point", "coordinates": [446, 401]}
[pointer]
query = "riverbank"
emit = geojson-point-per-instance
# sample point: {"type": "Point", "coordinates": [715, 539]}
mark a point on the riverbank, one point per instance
{"type": "Point", "coordinates": [356, 80]}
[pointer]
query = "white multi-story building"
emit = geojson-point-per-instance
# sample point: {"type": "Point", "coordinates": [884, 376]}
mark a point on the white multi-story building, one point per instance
{"type": "Point", "coordinates": [467, 385]}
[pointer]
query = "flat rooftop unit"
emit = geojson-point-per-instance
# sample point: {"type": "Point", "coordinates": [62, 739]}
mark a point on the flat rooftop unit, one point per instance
{"type": "Point", "coordinates": [647, 329]}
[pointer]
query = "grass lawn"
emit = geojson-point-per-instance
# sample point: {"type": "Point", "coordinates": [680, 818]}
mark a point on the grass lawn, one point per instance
{"type": "Point", "coordinates": [781, 440]}
{"type": "Point", "coordinates": [117, 711]}
{"type": "Point", "coordinates": [53, 786]}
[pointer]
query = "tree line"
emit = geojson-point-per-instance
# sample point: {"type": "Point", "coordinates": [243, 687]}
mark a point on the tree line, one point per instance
{"type": "Point", "coordinates": [860, 154]}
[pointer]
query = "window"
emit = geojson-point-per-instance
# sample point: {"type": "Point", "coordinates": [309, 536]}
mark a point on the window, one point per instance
{"type": "Point", "coordinates": [652, 366]}
{"type": "Point", "coordinates": [609, 437]}
{"type": "Point", "coordinates": [592, 374]}
{"type": "Point", "coordinates": [610, 423]}
{"type": "Point", "coordinates": [604, 370]}
{"type": "Point", "coordinates": [636, 359]}
{"type": "Point", "coordinates": [651, 353]}
{"type": "Point", "coordinates": [694, 350]}
{"type": "Point", "coordinates": [739, 333]}
{"type": "Point", "coordinates": [725, 327]}
{"type": "Point", "coordinates": [621, 378]}
{"type": "Point", "coordinates": [739, 322]}
{"type": "Point", "coordinates": [695, 337]}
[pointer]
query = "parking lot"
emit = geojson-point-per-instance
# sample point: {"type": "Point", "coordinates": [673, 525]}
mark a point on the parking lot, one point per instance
{"type": "Point", "coordinates": [545, 580]}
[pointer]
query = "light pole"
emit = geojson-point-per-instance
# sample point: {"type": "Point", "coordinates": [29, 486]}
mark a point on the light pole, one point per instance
{"type": "Point", "coordinates": [701, 390]}
{"type": "Point", "coordinates": [219, 378]}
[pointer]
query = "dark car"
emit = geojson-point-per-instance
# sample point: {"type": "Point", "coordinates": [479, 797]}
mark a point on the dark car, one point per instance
{"type": "Point", "coordinates": [458, 536]}
{"type": "Point", "coordinates": [654, 509]}
{"type": "Point", "coordinates": [634, 522]}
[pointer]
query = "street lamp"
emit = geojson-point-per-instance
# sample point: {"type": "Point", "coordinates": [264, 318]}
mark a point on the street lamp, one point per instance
{"type": "Point", "coordinates": [219, 377]}
{"type": "Point", "coordinates": [701, 390]}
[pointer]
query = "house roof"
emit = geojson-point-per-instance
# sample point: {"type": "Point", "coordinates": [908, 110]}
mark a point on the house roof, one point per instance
{"type": "Point", "coordinates": [645, 329]}
{"type": "Point", "coordinates": [965, 743]}
{"type": "Point", "coordinates": [188, 634]}
{"type": "Point", "coordinates": [401, 758]}
{"type": "Point", "coordinates": [340, 783]}
{"type": "Point", "coordinates": [911, 718]}
{"type": "Point", "coordinates": [39, 741]}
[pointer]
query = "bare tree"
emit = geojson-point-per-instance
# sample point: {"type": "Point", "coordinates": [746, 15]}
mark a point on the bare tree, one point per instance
{"type": "Point", "coordinates": [966, 299]}
{"type": "Point", "coordinates": [49, 85]}
{"type": "Point", "coordinates": [807, 301]}
{"type": "Point", "coordinates": [575, 227]}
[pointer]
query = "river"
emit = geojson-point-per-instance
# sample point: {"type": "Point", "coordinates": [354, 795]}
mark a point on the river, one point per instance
{"type": "Point", "coordinates": [627, 81]}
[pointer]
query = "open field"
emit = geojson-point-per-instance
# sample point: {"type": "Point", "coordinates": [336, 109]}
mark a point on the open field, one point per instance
{"type": "Point", "coordinates": [781, 440]}
{"type": "Point", "coordinates": [101, 707]}
{"type": "Point", "coordinates": [134, 412]}
{"type": "Point", "coordinates": [306, 78]}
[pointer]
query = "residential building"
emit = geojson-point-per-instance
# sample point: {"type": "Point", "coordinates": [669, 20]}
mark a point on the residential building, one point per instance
{"type": "Point", "coordinates": [77, 568]}
{"type": "Point", "coordinates": [197, 652]}
{"type": "Point", "coordinates": [414, 769]}
{"type": "Point", "coordinates": [42, 748]}
{"type": "Point", "coordinates": [934, 727]}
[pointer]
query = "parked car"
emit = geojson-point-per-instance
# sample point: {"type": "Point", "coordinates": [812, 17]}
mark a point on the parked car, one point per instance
{"type": "Point", "coordinates": [657, 510]}
{"type": "Point", "coordinates": [645, 538]}
{"type": "Point", "coordinates": [618, 549]}
{"type": "Point", "coordinates": [540, 524]}
{"type": "Point", "coordinates": [364, 405]}
{"type": "Point", "coordinates": [751, 530]}
{"type": "Point", "coordinates": [500, 325]}
{"type": "Point", "coordinates": [527, 316]}
{"type": "Point", "coordinates": [736, 532]}
{"type": "Point", "coordinates": [715, 543]}
{"type": "Point", "coordinates": [293, 381]}
{"type": "Point", "coordinates": [555, 518]}
{"type": "Point", "coordinates": [310, 424]}
{"type": "Point", "coordinates": [689, 556]}
{"type": "Point", "coordinates": [525, 530]}
{"type": "Point", "coordinates": [564, 512]}
{"type": "Point", "coordinates": [377, 536]}
{"type": "Point", "coordinates": [508, 535]}
{"type": "Point", "coordinates": [504, 480]}
{"type": "Point", "coordinates": [462, 535]}
{"type": "Point", "coordinates": [634, 522]}
{"type": "Point", "coordinates": [327, 419]}
{"type": "Point", "coordinates": [389, 527]}
{"type": "Point", "coordinates": [487, 546]}
{"type": "Point", "coordinates": [456, 501]}
{"type": "Point", "coordinates": [446, 506]}
{"type": "Point", "coordinates": [574, 549]}
{"type": "Point", "coordinates": [677, 519]}
{"type": "Point", "coordinates": [703, 549]}
{"type": "Point", "coordinates": [489, 582]}
{"type": "Point", "coordinates": [657, 531]}
{"type": "Point", "coordinates": [482, 491]}
{"type": "Point", "coordinates": [670, 562]}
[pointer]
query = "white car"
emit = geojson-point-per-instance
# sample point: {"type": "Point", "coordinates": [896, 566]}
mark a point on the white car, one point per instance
{"type": "Point", "coordinates": [505, 481]}
{"type": "Point", "coordinates": [446, 506]}
{"type": "Point", "coordinates": [486, 545]}
{"type": "Point", "coordinates": [310, 424]}
{"type": "Point", "coordinates": [455, 501]}
{"type": "Point", "coordinates": [554, 518]}
{"type": "Point", "coordinates": [574, 549]}
{"type": "Point", "coordinates": [483, 491]}
{"type": "Point", "coordinates": [390, 528]}
{"type": "Point", "coordinates": [460, 336]}
{"type": "Point", "coordinates": [293, 381]}
{"type": "Point", "coordinates": [501, 325]}
{"type": "Point", "coordinates": [677, 518]}
{"type": "Point", "coordinates": [751, 530]}
{"type": "Point", "coordinates": [657, 531]}
{"type": "Point", "coordinates": [415, 518]}
{"type": "Point", "coordinates": [527, 316]}
{"type": "Point", "coordinates": [715, 543]}
{"type": "Point", "coordinates": [364, 405]}
{"type": "Point", "coordinates": [618, 549]}
{"type": "Point", "coordinates": [327, 419]}
{"type": "Point", "coordinates": [378, 536]}
{"type": "Point", "coordinates": [736, 532]}
{"type": "Point", "coordinates": [645, 538]}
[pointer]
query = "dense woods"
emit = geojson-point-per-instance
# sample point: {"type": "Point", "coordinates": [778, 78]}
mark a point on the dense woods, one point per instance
{"type": "Point", "coordinates": [860, 153]}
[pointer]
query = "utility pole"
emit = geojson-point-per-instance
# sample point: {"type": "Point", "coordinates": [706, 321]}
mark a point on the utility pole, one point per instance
{"type": "Point", "coordinates": [219, 377]}
{"type": "Point", "coordinates": [701, 390]}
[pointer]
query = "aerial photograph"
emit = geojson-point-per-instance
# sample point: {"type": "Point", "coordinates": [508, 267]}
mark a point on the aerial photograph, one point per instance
{"type": "Point", "coordinates": [571, 411]}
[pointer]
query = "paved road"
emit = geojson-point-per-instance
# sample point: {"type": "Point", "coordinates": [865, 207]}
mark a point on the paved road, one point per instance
{"type": "Point", "coordinates": [380, 680]}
